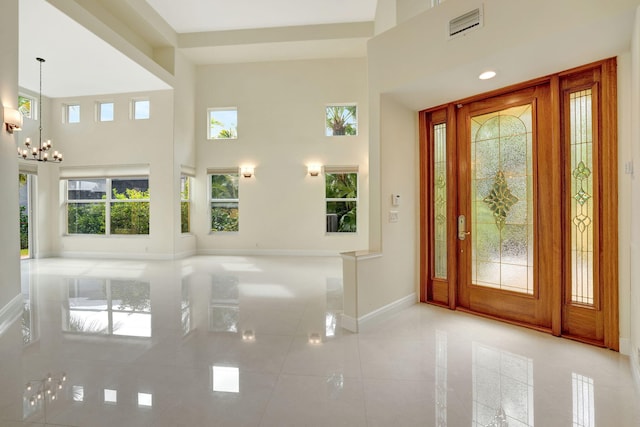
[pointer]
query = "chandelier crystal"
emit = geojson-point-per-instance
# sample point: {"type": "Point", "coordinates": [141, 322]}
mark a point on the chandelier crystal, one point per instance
{"type": "Point", "coordinates": [40, 152]}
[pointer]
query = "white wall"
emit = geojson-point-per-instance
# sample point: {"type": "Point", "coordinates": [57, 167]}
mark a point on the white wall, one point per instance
{"type": "Point", "coordinates": [417, 65]}
{"type": "Point", "coordinates": [91, 145]}
{"type": "Point", "coordinates": [281, 116]}
{"type": "Point", "coordinates": [9, 232]}
{"type": "Point", "coordinates": [634, 229]}
{"type": "Point", "coordinates": [184, 144]}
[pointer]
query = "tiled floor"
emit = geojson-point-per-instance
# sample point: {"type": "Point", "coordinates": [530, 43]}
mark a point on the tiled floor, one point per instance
{"type": "Point", "coordinates": [256, 341]}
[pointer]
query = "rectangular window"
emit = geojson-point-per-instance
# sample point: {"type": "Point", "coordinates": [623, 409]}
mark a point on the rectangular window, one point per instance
{"type": "Point", "coordinates": [341, 120]}
{"type": "Point", "coordinates": [26, 105]}
{"type": "Point", "coordinates": [72, 113]}
{"type": "Point", "coordinates": [130, 206]}
{"type": "Point", "coordinates": [224, 201]}
{"type": "Point", "coordinates": [222, 123]}
{"type": "Point", "coordinates": [185, 203]}
{"type": "Point", "coordinates": [140, 109]}
{"type": "Point", "coordinates": [105, 111]}
{"type": "Point", "coordinates": [341, 196]}
{"type": "Point", "coordinates": [106, 206]}
{"type": "Point", "coordinates": [86, 206]}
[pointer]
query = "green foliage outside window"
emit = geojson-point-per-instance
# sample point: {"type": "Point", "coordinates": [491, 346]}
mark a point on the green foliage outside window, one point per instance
{"type": "Point", "coordinates": [341, 191]}
{"type": "Point", "coordinates": [130, 217]}
{"type": "Point", "coordinates": [224, 202]}
{"type": "Point", "coordinates": [185, 204]}
{"type": "Point", "coordinates": [86, 218]}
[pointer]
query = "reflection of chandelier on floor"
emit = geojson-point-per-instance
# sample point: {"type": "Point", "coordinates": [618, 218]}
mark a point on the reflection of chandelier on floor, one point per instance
{"type": "Point", "coordinates": [40, 152]}
{"type": "Point", "coordinates": [44, 391]}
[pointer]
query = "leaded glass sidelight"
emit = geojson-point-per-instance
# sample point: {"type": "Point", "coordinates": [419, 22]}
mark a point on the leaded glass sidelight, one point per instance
{"type": "Point", "coordinates": [440, 200]}
{"type": "Point", "coordinates": [502, 199]}
{"type": "Point", "coordinates": [582, 232]}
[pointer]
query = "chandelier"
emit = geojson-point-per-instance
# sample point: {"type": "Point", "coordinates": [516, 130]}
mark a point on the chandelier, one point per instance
{"type": "Point", "coordinates": [40, 152]}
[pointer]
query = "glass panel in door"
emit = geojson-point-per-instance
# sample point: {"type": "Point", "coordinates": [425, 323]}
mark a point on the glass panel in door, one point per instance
{"type": "Point", "coordinates": [502, 200]}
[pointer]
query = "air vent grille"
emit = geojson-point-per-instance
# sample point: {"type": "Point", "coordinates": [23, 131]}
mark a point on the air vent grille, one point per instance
{"type": "Point", "coordinates": [466, 22]}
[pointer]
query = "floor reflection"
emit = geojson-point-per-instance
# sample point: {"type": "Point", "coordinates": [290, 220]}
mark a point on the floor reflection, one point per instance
{"type": "Point", "coordinates": [502, 388]}
{"type": "Point", "coordinates": [250, 341]}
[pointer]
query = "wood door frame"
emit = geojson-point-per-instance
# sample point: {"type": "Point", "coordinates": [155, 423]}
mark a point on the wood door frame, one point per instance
{"type": "Point", "coordinates": [607, 207]}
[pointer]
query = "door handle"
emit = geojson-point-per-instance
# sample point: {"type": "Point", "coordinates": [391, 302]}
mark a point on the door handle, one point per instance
{"type": "Point", "coordinates": [462, 228]}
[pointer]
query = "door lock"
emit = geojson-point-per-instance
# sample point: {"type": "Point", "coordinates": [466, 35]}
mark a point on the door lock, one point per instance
{"type": "Point", "coordinates": [462, 228]}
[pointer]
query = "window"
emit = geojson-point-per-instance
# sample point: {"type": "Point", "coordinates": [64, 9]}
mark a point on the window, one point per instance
{"type": "Point", "coordinates": [105, 111]}
{"type": "Point", "coordinates": [140, 109]}
{"type": "Point", "coordinates": [341, 120]}
{"type": "Point", "coordinates": [185, 203]}
{"type": "Point", "coordinates": [107, 206]}
{"type": "Point", "coordinates": [341, 193]}
{"type": "Point", "coordinates": [72, 113]}
{"type": "Point", "coordinates": [222, 123]}
{"type": "Point", "coordinates": [224, 201]}
{"type": "Point", "coordinates": [26, 105]}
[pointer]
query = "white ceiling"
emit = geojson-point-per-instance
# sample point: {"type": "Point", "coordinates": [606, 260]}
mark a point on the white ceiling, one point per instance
{"type": "Point", "coordinates": [187, 16]}
{"type": "Point", "coordinates": [79, 63]}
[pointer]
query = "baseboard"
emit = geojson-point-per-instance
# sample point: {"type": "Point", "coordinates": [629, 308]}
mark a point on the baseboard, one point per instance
{"type": "Point", "coordinates": [351, 324]}
{"type": "Point", "coordinates": [625, 346]}
{"type": "Point", "coordinates": [118, 255]}
{"type": "Point", "coordinates": [388, 310]}
{"type": "Point", "coordinates": [10, 312]}
{"type": "Point", "coordinates": [268, 252]}
{"type": "Point", "coordinates": [635, 371]}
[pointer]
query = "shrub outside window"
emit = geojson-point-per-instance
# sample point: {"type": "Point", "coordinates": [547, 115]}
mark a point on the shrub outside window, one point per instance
{"type": "Point", "coordinates": [185, 204]}
{"type": "Point", "coordinates": [341, 120]}
{"type": "Point", "coordinates": [222, 123]}
{"type": "Point", "coordinates": [224, 202]}
{"type": "Point", "coordinates": [341, 196]}
{"type": "Point", "coordinates": [26, 105]}
{"type": "Point", "coordinates": [108, 206]}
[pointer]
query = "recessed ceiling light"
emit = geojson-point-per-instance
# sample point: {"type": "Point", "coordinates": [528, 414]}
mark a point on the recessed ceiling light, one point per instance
{"type": "Point", "coordinates": [487, 75]}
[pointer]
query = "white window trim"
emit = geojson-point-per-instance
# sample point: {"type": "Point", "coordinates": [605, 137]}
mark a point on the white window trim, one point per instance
{"type": "Point", "coordinates": [342, 104]}
{"type": "Point", "coordinates": [225, 171]}
{"type": "Point", "coordinates": [99, 105]}
{"type": "Point", "coordinates": [189, 178]}
{"type": "Point", "coordinates": [132, 108]}
{"type": "Point", "coordinates": [107, 201]}
{"type": "Point", "coordinates": [210, 128]}
{"type": "Point", "coordinates": [337, 170]}
{"type": "Point", "coordinates": [66, 115]}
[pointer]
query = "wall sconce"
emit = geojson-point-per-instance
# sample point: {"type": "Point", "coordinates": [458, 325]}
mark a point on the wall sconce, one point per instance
{"type": "Point", "coordinates": [12, 119]}
{"type": "Point", "coordinates": [246, 171]}
{"type": "Point", "coordinates": [314, 169]}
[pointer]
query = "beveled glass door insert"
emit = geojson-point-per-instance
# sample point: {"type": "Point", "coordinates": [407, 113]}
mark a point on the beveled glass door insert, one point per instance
{"type": "Point", "coordinates": [502, 200]}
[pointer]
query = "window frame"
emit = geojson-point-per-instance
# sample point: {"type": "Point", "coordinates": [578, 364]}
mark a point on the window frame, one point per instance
{"type": "Point", "coordinates": [108, 201]}
{"type": "Point", "coordinates": [67, 115]}
{"type": "Point", "coordinates": [212, 200]}
{"type": "Point", "coordinates": [341, 171]}
{"type": "Point", "coordinates": [34, 107]}
{"type": "Point", "coordinates": [210, 112]}
{"type": "Point", "coordinates": [184, 178]}
{"type": "Point", "coordinates": [134, 103]}
{"type": "Point", "coordinates": [99, 106]}
{"type": "Point", "coordinates": [355, 118]}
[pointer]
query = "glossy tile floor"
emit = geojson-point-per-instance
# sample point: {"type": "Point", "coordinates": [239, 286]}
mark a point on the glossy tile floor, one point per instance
{"type": "Point", "coordinates": [256, 341]}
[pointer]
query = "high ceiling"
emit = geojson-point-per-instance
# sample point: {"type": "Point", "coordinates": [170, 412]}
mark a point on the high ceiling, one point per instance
{"type": "Point", "coordinates": [188, 16]}
{"type": "Point", "coordinates": [78, 62]}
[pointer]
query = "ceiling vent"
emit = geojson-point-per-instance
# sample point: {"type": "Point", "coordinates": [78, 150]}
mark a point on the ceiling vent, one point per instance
{"type": "Point", "coordinates": [464, 23]}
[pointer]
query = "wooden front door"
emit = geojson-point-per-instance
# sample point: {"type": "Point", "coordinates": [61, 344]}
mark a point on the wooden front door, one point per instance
{"type": "Point", "coordinates": [516, 186]}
